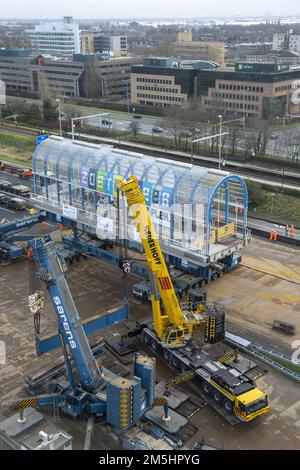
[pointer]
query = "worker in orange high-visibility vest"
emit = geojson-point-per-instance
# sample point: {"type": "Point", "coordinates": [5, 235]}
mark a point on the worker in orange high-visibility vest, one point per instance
{"type": "Point", "coordinates": [61, 227]}
{"type": "Point", "coordinates": [271, 236]}
{"type": "Point", "coordinates": [275, 234]}
{"type": "Point", "coordinates": [43, 226]}
{"type": "Point", "coordinates": [292, 231]}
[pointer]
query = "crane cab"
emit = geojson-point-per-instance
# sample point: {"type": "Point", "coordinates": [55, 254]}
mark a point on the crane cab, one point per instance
{"type": "Point", "coordinates": [251, 404]}
{"type": "Point", "coordinates": [176, 336]}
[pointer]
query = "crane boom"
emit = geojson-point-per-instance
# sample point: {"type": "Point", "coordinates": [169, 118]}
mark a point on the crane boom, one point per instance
{"type": "Point", "coordinates": [68, 320]}
{"type": "Point", "coordinates": [174, 326]}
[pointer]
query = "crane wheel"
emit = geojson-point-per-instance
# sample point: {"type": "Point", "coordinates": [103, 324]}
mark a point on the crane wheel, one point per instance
{"type": "Point", "coordinates": [145, 338]}
{"type": "Point", "coordinates": [228, 405]}
{"type": "Point", "coordinates": [206, 388]}
{"type": "Point", "coordinates": [217, 397]}
{"type": "Point", "coordinates": [175, 362]}
{"type": "Point", "coordinates": [166, 354]}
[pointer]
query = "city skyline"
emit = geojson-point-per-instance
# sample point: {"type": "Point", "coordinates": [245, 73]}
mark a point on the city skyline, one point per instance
{"type": "Point", "coordinates": [133, 9]}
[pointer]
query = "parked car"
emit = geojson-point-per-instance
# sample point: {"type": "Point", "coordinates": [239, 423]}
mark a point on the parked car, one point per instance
{"type": "Point", "coordinates": [157, 130]}
{"type": "Point", "coordinates": [137, 116]}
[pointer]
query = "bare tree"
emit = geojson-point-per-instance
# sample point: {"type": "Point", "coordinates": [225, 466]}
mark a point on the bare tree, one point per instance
{"type": "Point", "coordinates": [291, 144]}
{"type": "Point", "coordinates": [92, 80]}
{"type": "Point", "coordinates": [45, 89]}
{"type": "Point", "coordinates": [172, 123]}
{"type": "Point", "coordinates": [134, 128]}
{"type": "Point", "coordinates": [261, 136]}
{"type": "Point", "coordinates": [233, 140]}
{"type": "Point", "coordinates": [185, 124]}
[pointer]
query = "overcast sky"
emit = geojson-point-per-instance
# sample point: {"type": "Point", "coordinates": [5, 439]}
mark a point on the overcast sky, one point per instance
{"type": "Point", "coordinates": [146, 8]}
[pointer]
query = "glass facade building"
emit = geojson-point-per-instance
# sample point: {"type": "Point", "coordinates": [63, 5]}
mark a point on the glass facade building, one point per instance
{"type": "Point", "coordinates": [199, 214]}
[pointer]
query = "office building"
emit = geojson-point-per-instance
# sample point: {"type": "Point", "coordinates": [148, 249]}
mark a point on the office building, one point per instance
{"type": "Point", "coordinates": [83, 75]}
{"type": "Point", "coordinates": [16, 70]}
{"type": "Point", "coordinates": [294, 43]}
{"type": "Point", "coordinates": [165, 82]}
{"type": "Point", "coordinates": [186, 48]}
{"type": "Point", "coordinates": [59, 38]}
{"type": "Point", "coordinates": [87, 42]}
{"type": "Point", "coordinates": [287, 40]}
{"type": "Point", "coordinates": [258, 90]}
{"type": "Point", "coordinates": [58, 77]}
{"type": "Point", "coordinates": [285, 56]}
{"type": "Point", "coordinates": [116, 45]}
{"type": "Point", "coordinates": [107, 77]}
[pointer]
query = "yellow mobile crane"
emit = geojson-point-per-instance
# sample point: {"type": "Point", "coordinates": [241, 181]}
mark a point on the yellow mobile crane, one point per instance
{"type": "Point", "coordinates": [174, 327]}
{"type": "Point", "coordinates": [225, 386]}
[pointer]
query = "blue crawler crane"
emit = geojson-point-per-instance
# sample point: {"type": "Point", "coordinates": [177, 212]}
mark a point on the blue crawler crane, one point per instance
{"type": "Point", "coordinates": [85, 392]}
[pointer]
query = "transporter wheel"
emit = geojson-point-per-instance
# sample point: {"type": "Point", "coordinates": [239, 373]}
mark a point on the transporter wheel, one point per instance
{"type": "Point", "coordinates": [166, 354]}
{"type": "Point", "coordinates": [175, 362]}
{"type": "Point", "coordinates": [202, 283]}
{"type": "Point", "coordinates": [206, 388]}
{"type": "Point", "coordinates": [220, 273]}
{"type": "Point", "coordinates": [228, 405]}
{"type": "Point", "coordinates": [217, 397]}
{"type": "Point", "coordinates": [145, 338]}
{"type": "Point", "coordinates": [214, 276]}
{"type": "Point", "coordinates": [154, 345]}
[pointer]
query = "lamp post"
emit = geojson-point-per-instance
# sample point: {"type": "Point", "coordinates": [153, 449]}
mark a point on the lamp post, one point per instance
{"type": "Point", "coordinates": [220, 140]}
{"type": "Point", "coordinates": [201, 139]}
{"type": "Point", "coordinates": [59, 116]}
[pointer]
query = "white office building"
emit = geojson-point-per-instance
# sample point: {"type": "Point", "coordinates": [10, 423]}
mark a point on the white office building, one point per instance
{"type": "Point", "coordinates": [294, 43]}
{"type": "Point", "coordinates": [278, 41]}
{"type": "Point", "coordinates": [286, 41]}
{"type": "Point", "coordinates": [60, 38]}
